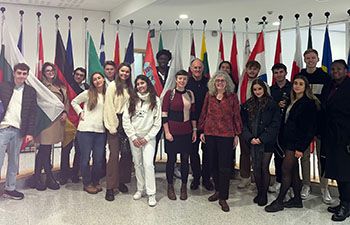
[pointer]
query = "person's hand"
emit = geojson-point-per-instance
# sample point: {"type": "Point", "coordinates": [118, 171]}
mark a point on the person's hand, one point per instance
{"type": "Point", "coordinates": [254, 141]}
{"type": "Point", "coordinates": [298, 154]}
{"type": "Point", "coordinates": [282, 104]}
{"type": "Point", "coordinates": [81, 116]}
{"type": "Point", "coordinates": [202, 138]}
{"type": "Point", "coordinates": [28, 138]}
{"type": "Point", "coordinates": [142, 141]}
{"type": "Point", "coordinates": [136, 143]}
{"type": "Point", "coordinates": [194, 136]}
{"type": "Point", "coordinates": [235, 141]}
{"type": "Point", "coordinates": [258, 141]}
{"type": "Point", "coordinates": [63, 117]}
{"type": "Point", "coordinates": [169, 137]}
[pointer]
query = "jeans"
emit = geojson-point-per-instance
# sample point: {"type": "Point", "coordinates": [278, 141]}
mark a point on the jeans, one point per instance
{"type": "Point", "coordinates": [95, 143]}
{"type": "Point", "coordinates": [144, 167]}
{"type": "Point", "coordinates": [10, 140]}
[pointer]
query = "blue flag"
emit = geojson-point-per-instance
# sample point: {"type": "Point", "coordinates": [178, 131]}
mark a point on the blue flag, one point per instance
{"type": "Point", "coordinates": [102, 49]}
{"type": "Point", "coordinates": [327, 53]}
{"type": "Point", "coordinates": [20, 40]}
{"type": "Point", "coordinates": [129, 55]}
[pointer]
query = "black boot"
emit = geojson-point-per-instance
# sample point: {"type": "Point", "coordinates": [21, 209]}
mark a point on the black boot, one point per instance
{"type": "Point", "coordinates": [36, 181]}
{"type": "Point", "coordinates": [51, 182]}
{"type": "Point", "coordinates": [343, 212]}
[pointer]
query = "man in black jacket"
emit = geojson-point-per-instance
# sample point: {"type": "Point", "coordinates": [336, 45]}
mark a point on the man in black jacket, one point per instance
{"type": "Point", "coordinates": [17, 121]}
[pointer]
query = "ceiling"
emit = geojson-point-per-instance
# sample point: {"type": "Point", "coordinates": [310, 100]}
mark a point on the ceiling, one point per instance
{"type": "Point", "coordinates": [169, 10]}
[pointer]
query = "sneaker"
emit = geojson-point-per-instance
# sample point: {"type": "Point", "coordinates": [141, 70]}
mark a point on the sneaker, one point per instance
{"type": "Point", "coordinates": [152, 200]}
{"type": "Point", "coordinates": [245, 182]}
{"type": "Point", "coordinates": [305, 192]}
{"type": "Point", "coordinates": [274, 207]}
{"type": "Point", "coordinates": [177, 172]}
{"type": "Point", "coordinates": [326, 197]}
{"type": "Point", "coordinates": [138, 195]}
{"type": "Point", "coordinates": [16, 195]}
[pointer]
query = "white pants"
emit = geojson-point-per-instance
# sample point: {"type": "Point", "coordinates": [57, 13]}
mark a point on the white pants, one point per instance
{"type": "Point", "coordinates": [144, 167]}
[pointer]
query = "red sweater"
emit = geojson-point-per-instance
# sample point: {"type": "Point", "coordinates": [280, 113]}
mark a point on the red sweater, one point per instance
{"type": "Point", "coordinates": [221, 118]}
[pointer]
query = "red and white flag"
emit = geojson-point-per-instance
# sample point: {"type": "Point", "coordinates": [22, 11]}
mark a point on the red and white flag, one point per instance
{"type": "Point", "coordinates": [117, 50]}
{"type": "Point", "coordinates": [278, 53]}
{"type": "Point", "coordinates": [221, 56]}
{"type": "Point", "coordinates": [40, 52]}
{"type": "Point", "coordinates": [298, 58]}
{"type": "Point", "coordinates": [149, 67]}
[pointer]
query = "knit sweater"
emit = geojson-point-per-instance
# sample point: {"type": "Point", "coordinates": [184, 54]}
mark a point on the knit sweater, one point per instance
{"type": "Point", "coordinates": [145, 122]}
{"type": "Point", "coordinates": [93, 119]}
{"type": "Point", "coordinates": [114, 104]}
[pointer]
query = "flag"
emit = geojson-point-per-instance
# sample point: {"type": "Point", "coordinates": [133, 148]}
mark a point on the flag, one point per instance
{"type": "Point", "coordinates": [160, 44]}
{"type": "Point", "coordinates": [221, 56]}
{"type": "Point", "coordinates": [129, 54]}
{"type": "Point", "coordinates": [102, 49]}
{"type": "Point", "coordinates": [257, 54]}
{"type": "Point", "coordinates": [49, 106]}
{"type": "Point", "coordinates": [117, 50]}
{"type": "Point", "coordinates": [278, 52]}
{"type": "Point", "coordinates": [69, 66]}
{"type": "Point", "coordinates": [309, 39]}
{"type": "Point", "coordinates": [94, 64]}
{"type": "Point", "coordinates": [233, 59]}
{"type": "Point", "coordinates": [246, 47]}
{"type": "Point", "coordinates": [192, 50]}
{"type": "Point", "coordinates": [149, 67]}
{"type": "Point", "coordinates": [40, 52]}
{"type": "Point", "coordinates": [64, 73]}
{"type": "Point", "coordinates": [298, 58]}
{"type": "Point", "coordinates": [327, 53]}
{"type": "Point", "coordinates": [20, 38]}
{"type": "Point", "coordinates": [204, 57]}
{"type": "Point", "coordinates": [175, 63]}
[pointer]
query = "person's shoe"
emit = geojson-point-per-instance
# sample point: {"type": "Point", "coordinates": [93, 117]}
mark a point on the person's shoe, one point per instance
{"type": "Point", "coordinates": [305, 192]}
{"type": "Point", "coordinates": [123, 188]}
{"type": "Point", "coordinates": [98, 187]}
{"type": "Point", "coordinates": [183, 191]}
{"type": "Point", "coordinates": [194, 185]}
{"type": "Point", "coordinates": [326, 196]}
{"type": "Point", "coordinates": [208, 185]}
{"type": "Point", "coordinates": [38, 184]}
{"type": "Point", "coordinates": [90, 189]}
{"type": "Point", "coordinates": [109, 195]}
{"type": "Point", "coordinates": [138, 195]}
{"type": "Point", "coordinates": [224, 206]}
{"type": "Point", "coordinates": [256, 199]}
{"type": "Point", "coordinates": [152, 200]}
{"type": "Point", "coordinates": [177, 172]}
{"type": "Point", "coordinates": [63, 180]}
{"type": "Point", "coordinates": [293, 203]}
{"type": "Point", "coordinates": [343, 213]}
{"type": "Point", "coordinates": [171, 192]}
{"type": "Point", "coordinates": [75, 179]}
{"type": "Point", "coordinates": [262, 201]}
{"type": "Point", "coordinates": [51, 183]}
{"type": "Point", "coordinates": [214, 197]}
{"type": "Point", "coordinates": [333, 209]}
{"type": "Point", "coordinates": [245, 182]}
{"type": "Point", "coordinates": [274, 207]}
{"type": "Point", "coordinates": [16, 195]}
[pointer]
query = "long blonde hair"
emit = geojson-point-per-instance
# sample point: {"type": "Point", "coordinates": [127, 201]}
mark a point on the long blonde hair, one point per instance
{"type": "Point", "coordinates": [307, 92]}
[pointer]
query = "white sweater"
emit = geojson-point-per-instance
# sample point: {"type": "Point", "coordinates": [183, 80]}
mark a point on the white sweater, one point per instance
{"type": "Point", "coordinates": [145, 123]}
{"type": "Point", "coordinates": [93, 119]}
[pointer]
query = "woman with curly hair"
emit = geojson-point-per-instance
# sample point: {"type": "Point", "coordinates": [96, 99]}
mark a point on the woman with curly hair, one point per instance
{"type": "Point", "coordinates": [221, 122]}
{"type": "Point", "coordinates": [261, 119]}
{"type": "Point", "coordinates": [141, 122]}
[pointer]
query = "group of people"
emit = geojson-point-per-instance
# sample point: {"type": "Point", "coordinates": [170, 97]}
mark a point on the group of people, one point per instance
{"type": "Point", "coordinates": [281, 120]}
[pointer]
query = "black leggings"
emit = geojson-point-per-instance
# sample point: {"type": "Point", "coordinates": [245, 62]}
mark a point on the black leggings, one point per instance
{"type": "Point", "coordinates": [261, 171]}
{"type": "Point", "coordinates": [170, 167]}
{"type": "Point", "coordinates": [290, 176]}
{"type": "Point", "coordinates": [43, 160]}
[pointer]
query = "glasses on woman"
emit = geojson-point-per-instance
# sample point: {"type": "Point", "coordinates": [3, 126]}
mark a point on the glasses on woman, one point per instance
{"type": "Point", "coordinates": [220, 81]}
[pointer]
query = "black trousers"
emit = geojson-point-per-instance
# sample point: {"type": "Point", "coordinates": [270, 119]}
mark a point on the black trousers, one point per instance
{"type": "Point", "coordinates": [344, 191]}
{"type": "Point", "coordinates": [65, 162]}
{"type": "Point", "coordinates": [220, 160]}
{"type": "Point", "coordinates": [197, 171]}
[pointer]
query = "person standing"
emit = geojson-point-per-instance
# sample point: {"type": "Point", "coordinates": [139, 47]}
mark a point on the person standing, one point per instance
{"type": "Point", "coordinates": [198, 84]}
{"type": "Point", "coordinates": [142, 121]}
{"type": "Point", "coordinates": [335, 136]}
{"type": "Point", "coordinates": [317, 79]}
{"type": "Point", "coordinates": [221, 122]}
{"type": "Point", "coordinates": [17, 122]}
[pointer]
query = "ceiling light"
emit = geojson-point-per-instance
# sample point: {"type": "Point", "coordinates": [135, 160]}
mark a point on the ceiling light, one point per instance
{"type": "Point", "coordinates": [183, 16]}
{"type": "Point", "coordinates": [276, 23]}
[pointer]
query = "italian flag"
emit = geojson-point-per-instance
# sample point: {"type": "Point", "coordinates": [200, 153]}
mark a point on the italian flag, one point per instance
{"type": "Point", "coordinates": [49, 106]}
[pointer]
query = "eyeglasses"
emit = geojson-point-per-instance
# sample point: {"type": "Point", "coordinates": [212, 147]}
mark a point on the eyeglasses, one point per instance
{"type": "Point", "coordinates": [49, 71]}
{"type": "Point", "coordinates": [220, 81]}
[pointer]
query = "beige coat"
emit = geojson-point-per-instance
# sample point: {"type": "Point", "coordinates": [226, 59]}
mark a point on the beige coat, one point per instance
{"type": "Point", "coordinates": [54, 133]}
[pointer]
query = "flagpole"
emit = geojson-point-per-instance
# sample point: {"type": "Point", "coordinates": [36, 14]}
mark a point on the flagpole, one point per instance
{"type": "Point", "coordinates": [21, 12]}
{"type": "Point", "coordinates": [309, 42]}
{"type": "Point", "coordinates": [3, 9]}
{"type": "Point", "coordinates": [86, 40]}
{"type": "Point", "coordinates": [160, 41]}
{"type": "Point", "coordinates": [38, 66]}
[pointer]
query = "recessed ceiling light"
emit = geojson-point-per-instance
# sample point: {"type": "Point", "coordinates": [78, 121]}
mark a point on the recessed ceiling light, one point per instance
{"type": "Point", "coordinates": [276, 23]}
{"type": "Point", "coordinates": [183, 16]}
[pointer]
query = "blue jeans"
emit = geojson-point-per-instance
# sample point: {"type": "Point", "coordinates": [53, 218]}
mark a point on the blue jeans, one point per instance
{"type": "Point", "coordinates": [95, 143]}
{"type": "Point", "coordinates": [10, 140]}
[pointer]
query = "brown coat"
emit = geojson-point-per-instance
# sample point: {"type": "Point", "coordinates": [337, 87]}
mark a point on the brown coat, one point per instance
{"type": "Point", "coordinates": [54, 133]}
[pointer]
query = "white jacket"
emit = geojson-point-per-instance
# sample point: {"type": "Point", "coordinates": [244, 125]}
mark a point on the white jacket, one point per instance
{"type": "Point", "coordinates": [145, 123]}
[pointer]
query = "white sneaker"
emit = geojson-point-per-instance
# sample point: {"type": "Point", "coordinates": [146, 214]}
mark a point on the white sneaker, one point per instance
{"type": "Point", "coordinates": [138, 195]}
{"type": "Point", "coordinates": [305, 192]}
{"type": "Point", "coordinates": [326, 197]}
{"type": "Point", "coordinates": [152, 200]}
{"type": "Point", "coordinates": [245, 182]}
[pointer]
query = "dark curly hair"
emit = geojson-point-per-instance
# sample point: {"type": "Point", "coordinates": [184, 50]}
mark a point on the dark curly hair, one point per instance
{"type": "Point", "coordinates": [164, 52]}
